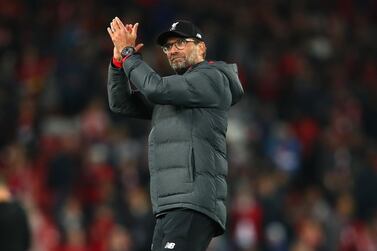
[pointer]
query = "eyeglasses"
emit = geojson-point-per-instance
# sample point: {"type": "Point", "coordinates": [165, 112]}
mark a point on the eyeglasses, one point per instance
{"type": "Point", "coordinates": [179, 44]}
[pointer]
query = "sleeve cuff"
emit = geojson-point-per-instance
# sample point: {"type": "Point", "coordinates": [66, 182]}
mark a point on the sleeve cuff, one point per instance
{"type": "Point", "coordinates": [118, 64]}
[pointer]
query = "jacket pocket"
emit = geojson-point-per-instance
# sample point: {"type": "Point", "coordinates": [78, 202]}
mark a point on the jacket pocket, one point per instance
{"type": "Point", "coordinates": [191, 165]}
{"type": "Point", "coordinates": [173, 181]}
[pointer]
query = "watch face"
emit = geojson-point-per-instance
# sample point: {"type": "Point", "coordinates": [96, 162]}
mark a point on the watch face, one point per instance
{"type": "Point", "coordinates": [127, 51]}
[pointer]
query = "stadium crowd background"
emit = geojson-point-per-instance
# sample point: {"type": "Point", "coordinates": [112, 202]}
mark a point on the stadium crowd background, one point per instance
{"type": "Point", "coordinates": [302, 143]}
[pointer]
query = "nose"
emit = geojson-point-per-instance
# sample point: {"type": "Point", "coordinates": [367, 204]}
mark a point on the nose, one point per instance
{"type": "Point", "coordinates": [173, 50]}
{"type": "Point", "coordinates": [171, 53]}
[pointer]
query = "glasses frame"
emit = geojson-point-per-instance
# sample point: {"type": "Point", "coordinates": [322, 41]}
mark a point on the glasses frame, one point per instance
{"type": "Point", "coordinates": [168, 46]}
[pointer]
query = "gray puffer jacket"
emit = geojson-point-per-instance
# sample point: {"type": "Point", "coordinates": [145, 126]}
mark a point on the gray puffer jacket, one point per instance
{"type": "Point", "coordinates": [187, 145]}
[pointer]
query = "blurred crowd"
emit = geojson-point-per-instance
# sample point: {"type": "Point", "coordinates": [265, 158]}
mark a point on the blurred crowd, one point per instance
{"type": "Point", "coordinates": [302, 143]}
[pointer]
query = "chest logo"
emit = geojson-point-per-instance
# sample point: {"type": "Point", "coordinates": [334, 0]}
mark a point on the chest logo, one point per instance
{"type": "Point", "coordinates": [169, 245]}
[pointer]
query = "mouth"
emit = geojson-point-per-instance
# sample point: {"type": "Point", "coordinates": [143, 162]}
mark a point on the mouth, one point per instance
{"type": "Point", "coordinates": [176, 56]}
{"type": "Point", "coordinates": [176, 59]}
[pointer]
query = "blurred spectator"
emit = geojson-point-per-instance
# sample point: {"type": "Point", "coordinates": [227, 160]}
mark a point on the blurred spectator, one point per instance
{"type": "Point", "coordinates": [284, 149]}
{"type": "Point", "coordinates": [119, 240]}
{"type": "Point", "coordinates": [309, 236]}
{"type": "Point", "coordinates": [14, 226]}
{"type": "Point", "coordinates": [246, 217]}
{"type": "Point", "coordinates": [365, 182]}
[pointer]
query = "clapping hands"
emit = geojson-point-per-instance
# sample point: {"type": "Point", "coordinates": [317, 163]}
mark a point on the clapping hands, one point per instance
{"type": "Point", "coordinates": [123, 35]}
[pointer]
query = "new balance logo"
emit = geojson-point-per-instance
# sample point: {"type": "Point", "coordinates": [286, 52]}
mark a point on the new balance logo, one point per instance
{"type": "Point", "coordinates": [169, 245]}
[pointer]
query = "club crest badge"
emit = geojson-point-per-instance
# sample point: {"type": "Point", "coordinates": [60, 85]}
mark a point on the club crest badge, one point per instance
{"type": "Point", "coordinates": [173, 26]}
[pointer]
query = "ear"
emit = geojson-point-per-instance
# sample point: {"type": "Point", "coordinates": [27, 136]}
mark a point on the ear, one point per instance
{"type": "Point", "coordinates": [203, 49]}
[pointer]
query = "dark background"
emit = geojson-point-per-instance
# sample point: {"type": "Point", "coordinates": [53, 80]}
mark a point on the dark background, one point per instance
{"type": "Point", "coordinates": [302, 143]}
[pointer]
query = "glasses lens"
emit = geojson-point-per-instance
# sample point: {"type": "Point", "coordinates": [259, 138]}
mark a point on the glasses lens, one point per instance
{"type": "Point", "coordinates": [166, 48]}
{"type": "Point", "coordinates": [180, 44]}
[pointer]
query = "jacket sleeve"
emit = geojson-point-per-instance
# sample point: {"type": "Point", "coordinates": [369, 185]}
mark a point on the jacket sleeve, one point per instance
{"type": "Point", "coordinates": [199, 88]}
{"type": "Point", "coordinates": [124, 100]}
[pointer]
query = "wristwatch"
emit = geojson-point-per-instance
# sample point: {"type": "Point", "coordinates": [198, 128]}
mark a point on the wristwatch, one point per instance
{"type": "Point", "coordinates": [127, 51]}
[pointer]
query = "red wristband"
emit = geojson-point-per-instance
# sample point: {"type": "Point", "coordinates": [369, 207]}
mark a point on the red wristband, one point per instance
{"type": "Point", "coordinates": [116, 63]}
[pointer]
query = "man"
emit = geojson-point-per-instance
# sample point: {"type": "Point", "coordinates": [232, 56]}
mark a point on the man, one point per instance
{"type": "Point", "coordinates": [187, 146]}
{"type": "Point", "coordinates": [14, 227]}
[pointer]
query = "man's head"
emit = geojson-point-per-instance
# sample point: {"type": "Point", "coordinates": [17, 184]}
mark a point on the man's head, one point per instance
{"type": "Point", "coordinates": [183, 45]}
{"type": "Point", "coordinates": [5, 194]}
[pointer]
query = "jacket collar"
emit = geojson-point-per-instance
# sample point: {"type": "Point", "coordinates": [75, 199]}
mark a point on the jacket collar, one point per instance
{"type": "Point", "coordinates": [192, 67]}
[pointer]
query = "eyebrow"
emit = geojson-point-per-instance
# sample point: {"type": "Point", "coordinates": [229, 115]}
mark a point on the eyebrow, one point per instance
{"type": "Point", "coordinates": [172, 42]}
